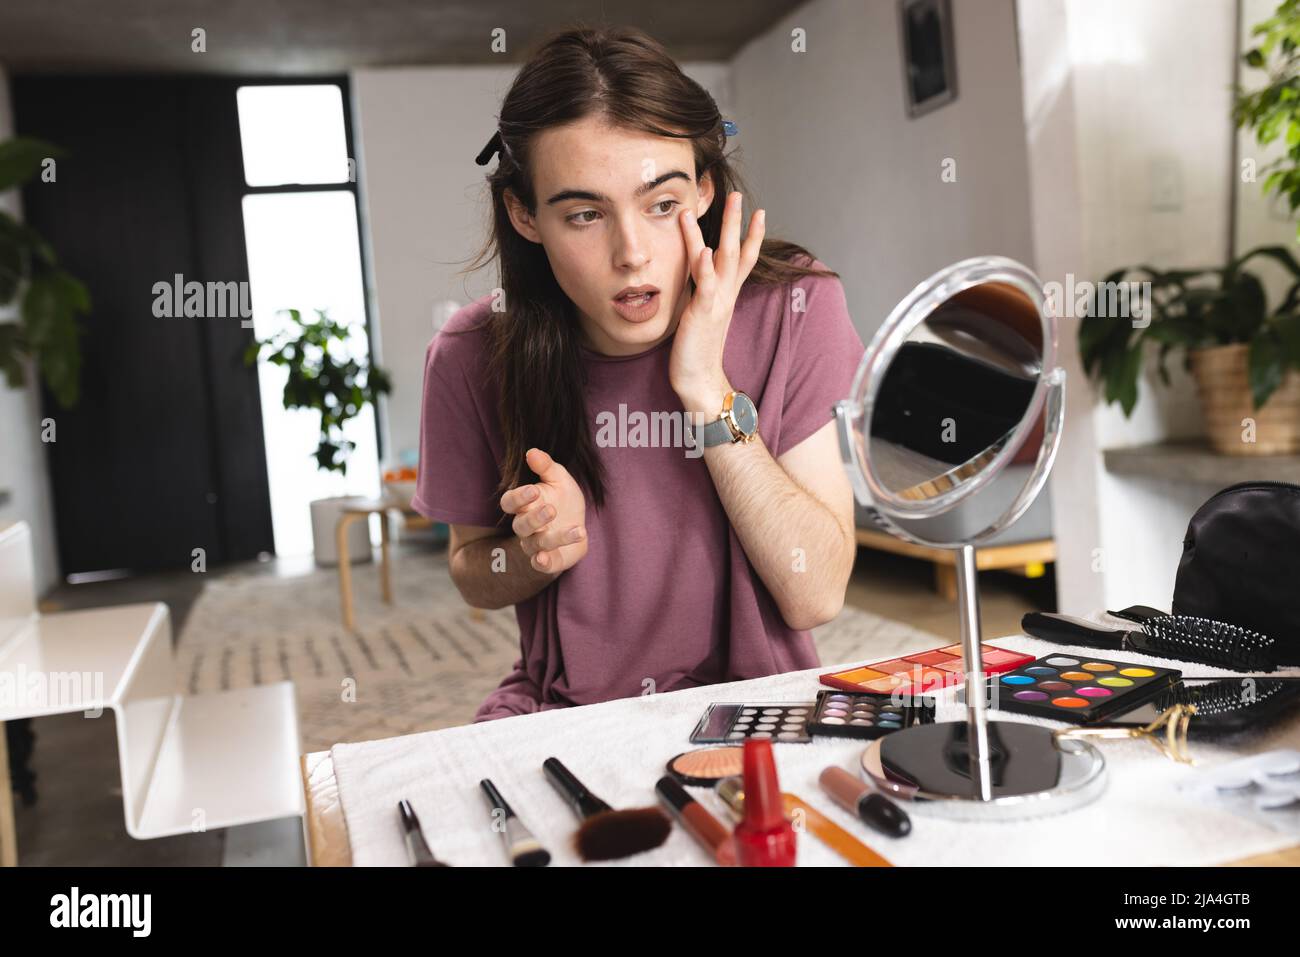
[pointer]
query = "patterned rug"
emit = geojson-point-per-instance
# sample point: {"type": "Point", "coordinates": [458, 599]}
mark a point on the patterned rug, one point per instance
{"type": "Point", "coordinates": [422, 663]}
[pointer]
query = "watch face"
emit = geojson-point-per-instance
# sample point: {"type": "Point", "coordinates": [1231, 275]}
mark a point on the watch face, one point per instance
{"type": "Point", "coordinates": [745, 414]}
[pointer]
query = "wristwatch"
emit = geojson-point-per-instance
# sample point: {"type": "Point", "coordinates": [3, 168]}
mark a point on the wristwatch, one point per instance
{"type": "Point", "coordinates": [737, 423]}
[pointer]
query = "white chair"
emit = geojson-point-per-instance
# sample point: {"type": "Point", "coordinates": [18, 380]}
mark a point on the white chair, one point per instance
{"type": "Point", "coordinates": [189, 763]}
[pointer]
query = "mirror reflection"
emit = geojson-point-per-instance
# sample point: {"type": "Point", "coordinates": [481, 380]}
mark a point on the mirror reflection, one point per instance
{"type": "Point", "coordinates": [955, 392]}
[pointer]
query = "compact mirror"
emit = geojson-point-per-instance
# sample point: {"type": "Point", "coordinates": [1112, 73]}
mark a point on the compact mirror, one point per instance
{"type": "Point", "coordinates": [959, 383]}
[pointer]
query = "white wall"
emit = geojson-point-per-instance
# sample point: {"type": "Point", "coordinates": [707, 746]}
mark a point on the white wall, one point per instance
{"type": "Point", "coordinates": [1117, 94]}
{"type": "Point", "coordinates": [829, 150]}
{"type": "Point", "coordinates": [425, 201]}
{"type": "Point", "coordinates": [22, 455]}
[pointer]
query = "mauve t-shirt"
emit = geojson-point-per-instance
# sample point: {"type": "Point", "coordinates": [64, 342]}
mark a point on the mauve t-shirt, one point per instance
{"type": "Point", "coordinates": [665, 597]}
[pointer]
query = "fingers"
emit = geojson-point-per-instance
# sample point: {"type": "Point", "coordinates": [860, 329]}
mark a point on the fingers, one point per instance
{"type": "Point", "coordinates": [547, 469]}
{"type": "Point", "coordinates": [531, 521]}
{"type": "Point", "coordinates": [694, 238]}
{"type": "Point", "coordinates": [706, 280]}
{"type": "Point", "coordinates": [549, 558]}
{"type": "Point", "coordinates": [729, 241]}
{"type": "Point", "coordinates": [753, 244]}
{"type": "Point", "coordinates": [550, 539]}
{"type": "Point", "coordinates": [517, 499]}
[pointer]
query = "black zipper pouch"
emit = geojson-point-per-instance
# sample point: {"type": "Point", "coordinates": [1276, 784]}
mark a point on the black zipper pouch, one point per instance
{"type": "Point", "coordinates": [1241, 563]}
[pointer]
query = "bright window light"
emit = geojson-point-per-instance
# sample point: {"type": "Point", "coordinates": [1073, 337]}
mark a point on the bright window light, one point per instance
{"type": "Point", "coordinates": [293, 135]}
{"type": "Point", "coordinates": [303, 254]}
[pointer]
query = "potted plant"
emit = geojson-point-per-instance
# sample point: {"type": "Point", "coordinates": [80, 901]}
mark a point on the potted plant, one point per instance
{"type": "Point", "coordinates": [48, 298]}
{"type": "Point", "coordinates": [323, 375]}
{"type": "Point", "coordinates": [1244, 357]}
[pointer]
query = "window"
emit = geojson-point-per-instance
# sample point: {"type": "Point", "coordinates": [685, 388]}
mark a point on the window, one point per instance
{"type": "Point", "coordinates": [304, 252]}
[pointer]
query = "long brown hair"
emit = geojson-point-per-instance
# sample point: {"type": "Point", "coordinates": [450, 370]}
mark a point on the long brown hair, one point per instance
{"type": "Point", "coordinates": [627, 77]}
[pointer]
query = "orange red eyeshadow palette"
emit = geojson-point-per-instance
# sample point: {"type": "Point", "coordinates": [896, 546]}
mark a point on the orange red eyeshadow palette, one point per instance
{"type": "Point", "coordinates": [1078, 689]}
{"type": "Point", "coordinates": [923, 673]}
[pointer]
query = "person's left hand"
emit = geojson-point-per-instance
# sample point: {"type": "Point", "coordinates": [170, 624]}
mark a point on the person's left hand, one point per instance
{"type": "Point", "coordinates": [695, 368]}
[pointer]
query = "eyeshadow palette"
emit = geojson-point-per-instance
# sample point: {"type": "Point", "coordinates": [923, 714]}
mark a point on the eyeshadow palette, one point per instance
{"type": "Point", "coordinates": [782, 721]}
{"type": "Point", "coordinates": [922, 673]}
{"type": "Point", "coordinates": [1078, 689]}
{"type": "Point", "coordinates": [846, 715]}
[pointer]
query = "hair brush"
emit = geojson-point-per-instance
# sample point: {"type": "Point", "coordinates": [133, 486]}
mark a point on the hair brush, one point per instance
{"type": "Point", "coordinates": [1181, 637]}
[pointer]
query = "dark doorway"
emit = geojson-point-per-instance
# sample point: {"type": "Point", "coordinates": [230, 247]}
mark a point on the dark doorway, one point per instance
{"type": "Point", "coordinates": [164, 454]}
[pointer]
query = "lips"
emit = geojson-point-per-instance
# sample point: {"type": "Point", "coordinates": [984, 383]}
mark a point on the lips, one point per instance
{"type": "Point", "coordinates": [636, 295]}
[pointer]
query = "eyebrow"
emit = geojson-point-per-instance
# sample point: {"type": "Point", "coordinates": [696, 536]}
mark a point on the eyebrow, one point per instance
{"type": "Point", "coordinates": [641, 190]}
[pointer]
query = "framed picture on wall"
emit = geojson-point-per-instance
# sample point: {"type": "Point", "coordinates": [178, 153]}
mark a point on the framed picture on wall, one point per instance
{"type": "Point", "coordinates": [929, 56]}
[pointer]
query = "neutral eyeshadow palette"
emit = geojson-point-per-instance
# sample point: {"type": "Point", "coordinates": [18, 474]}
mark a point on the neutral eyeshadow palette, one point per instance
{"type": "Point", "coordinates": [923, 673]}
{"type": "Point", "coordinates": [846, 715]}
{"type": "Point", "coordinates": [731, 723]}
{"type": "Point", "coordinates": [1081, 690]}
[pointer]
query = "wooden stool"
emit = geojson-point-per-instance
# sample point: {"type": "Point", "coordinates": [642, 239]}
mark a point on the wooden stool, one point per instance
{"type": "Point", "coordinates": [363, 510]}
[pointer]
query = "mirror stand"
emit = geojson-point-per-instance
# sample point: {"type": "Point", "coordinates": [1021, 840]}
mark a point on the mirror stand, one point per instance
{"type": "Point", "coordinates": [982, 769]}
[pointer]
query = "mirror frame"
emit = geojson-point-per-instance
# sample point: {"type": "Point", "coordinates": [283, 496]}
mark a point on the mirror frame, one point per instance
{"type": "Point", "coordinates": [1048, 394]}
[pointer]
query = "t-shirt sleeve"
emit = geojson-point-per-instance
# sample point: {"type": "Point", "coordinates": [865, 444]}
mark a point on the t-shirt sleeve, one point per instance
{"type": "Point", "coordinates": [827, 352]}
{"type": "Point", "coordinates": [458, 474]}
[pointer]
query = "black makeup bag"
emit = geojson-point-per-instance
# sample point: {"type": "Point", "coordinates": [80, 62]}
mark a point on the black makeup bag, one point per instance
{"type": "Point", "coordinates": [1241, 563]}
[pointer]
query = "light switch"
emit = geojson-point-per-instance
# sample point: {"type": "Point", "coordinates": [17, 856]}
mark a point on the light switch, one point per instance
{"type": "Point", "coordinates": [1166, 183]}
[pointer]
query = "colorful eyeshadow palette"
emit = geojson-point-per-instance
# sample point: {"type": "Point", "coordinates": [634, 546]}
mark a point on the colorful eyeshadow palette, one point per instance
{"type": "Point", "coordinates": [846, 715]}
{"type": "Point", "coordinates": [923, 673]}
{"type": "Point", "coordinates": [1077, 689]}
{"type": "Point", "coordinates": [783, 722]}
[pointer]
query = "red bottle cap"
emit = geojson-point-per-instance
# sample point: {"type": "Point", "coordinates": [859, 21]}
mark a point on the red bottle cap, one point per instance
{"type": "Point", "coordinates": [763, 805]}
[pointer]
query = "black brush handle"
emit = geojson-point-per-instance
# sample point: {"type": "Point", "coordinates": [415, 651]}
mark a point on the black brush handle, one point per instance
{"type": "Point", "coordinates": [584, 803]}
{"type": "Point", "coordinates": [1065, 630]}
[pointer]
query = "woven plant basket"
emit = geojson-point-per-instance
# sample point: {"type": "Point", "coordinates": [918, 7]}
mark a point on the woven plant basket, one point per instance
{"type": "Point", "coordinates": [1224, 387]}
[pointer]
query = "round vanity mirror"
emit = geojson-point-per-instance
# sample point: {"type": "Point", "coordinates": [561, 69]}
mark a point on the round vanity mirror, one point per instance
{"type": "Point", "coordinates": [949, 435]}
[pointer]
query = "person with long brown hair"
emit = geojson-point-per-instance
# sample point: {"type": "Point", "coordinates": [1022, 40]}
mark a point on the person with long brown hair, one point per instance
{"type": "Point", "coordinates": [632, 437]}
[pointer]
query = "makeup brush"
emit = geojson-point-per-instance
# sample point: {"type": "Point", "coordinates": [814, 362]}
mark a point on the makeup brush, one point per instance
{"type": "Point", "coordinates": [1181, 637]}
{"type": "Point", "coordinates": [416, 847]}
{"type": "Point", "coordinates": [524, 849]}
{"type": "Point", "coordinates": [606, 834]}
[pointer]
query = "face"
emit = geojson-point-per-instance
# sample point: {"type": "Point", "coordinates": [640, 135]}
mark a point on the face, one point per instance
{"type": "Point", "coordinates": [608, 204]}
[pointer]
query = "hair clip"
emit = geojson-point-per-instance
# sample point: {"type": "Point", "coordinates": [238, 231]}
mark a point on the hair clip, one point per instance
{"type": "Point", "coordinates": [494, 145]}
{"type": "Point", "coordinates": [729, 128]}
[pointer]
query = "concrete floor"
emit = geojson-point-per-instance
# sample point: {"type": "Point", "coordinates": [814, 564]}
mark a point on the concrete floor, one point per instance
{"type": "Point", "coordinates": [77, 818]}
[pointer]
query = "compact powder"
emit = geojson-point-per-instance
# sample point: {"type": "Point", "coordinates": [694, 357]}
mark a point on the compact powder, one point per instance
{"type": "Point", "coordinates": [707, 766]}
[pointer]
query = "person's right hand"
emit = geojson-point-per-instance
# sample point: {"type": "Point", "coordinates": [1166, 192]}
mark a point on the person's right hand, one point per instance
{"type": "Point", "coordinates": [549, 515]}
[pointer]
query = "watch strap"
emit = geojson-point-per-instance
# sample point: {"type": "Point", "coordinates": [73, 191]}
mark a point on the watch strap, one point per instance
{"type": "Point", "coordinates": [717, 432]}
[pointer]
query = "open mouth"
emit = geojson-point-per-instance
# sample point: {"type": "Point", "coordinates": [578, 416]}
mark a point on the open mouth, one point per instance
{"type": "Point", "coordinates": [637, 296]}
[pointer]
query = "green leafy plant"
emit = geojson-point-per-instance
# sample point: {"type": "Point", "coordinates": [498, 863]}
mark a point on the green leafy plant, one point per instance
{"type": "Point", "coordinates": [337, 386]}
{"type": "Point", "coordinates": [1191, 309]}
{"type": "Point", "coordinates": [49, 298]}
{"type": "Point", "coordinates": [1274, 109]}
